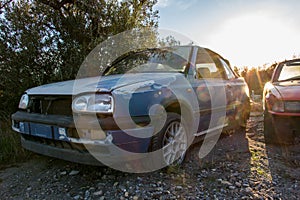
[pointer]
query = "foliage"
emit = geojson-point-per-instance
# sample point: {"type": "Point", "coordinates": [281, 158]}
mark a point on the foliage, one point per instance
{"type": "Point", "coordinates": [43, 41]}
{"type": "Point", "coordinates": [169, 41]}
{"type": "Point", "coordinates": [257, 77]}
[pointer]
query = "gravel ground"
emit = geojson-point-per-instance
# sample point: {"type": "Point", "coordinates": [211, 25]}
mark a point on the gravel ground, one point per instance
{"type": "Point", "coordinates": [240, 166]}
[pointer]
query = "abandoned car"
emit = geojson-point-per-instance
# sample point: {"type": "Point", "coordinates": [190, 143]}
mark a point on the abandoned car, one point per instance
{"type": "Point", "coordinates": [145, 101]}
{"type": "Point", "coordinates": [281, 99]}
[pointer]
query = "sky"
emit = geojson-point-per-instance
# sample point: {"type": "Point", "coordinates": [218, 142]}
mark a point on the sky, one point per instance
{"type": "Point", "coordinates": [247, 33]}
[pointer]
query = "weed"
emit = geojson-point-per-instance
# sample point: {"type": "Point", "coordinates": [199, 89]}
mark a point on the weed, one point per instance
{"type": "Point", "coordinates": [173, 169]}
{"type": "Point", "coordinates": [10, 146]}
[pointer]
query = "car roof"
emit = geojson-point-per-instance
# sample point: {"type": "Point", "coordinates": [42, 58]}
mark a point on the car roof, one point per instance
{"type": "Point", "coordinates": [297, 60]}
{"type": "Point", "coordinates": [279, 65]}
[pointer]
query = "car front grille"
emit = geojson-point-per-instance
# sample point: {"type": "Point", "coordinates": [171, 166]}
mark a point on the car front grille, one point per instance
{"type": "Point", "coordinates": [56, 143]}
{"type": "Point", "coordinates": [51, 105]}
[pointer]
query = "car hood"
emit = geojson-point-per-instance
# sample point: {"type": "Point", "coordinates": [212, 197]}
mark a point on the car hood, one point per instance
{"type": "Point", "coordinates": [289, 90]}
{"type": "Point", "coordinates": [99, 84]}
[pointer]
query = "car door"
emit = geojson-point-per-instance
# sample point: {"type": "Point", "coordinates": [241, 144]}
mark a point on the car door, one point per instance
{"type": "Point", "coordinates": [208, 81]}
{"type": "Point", "coordinates": [235, 88]}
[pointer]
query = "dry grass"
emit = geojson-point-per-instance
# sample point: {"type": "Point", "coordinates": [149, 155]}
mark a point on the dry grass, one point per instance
{"type": "Point", "coordinates": [11, 150]}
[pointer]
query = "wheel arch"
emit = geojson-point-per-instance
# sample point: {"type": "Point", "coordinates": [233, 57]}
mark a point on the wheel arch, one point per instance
{"type": "Point", "coordinates": [178, 107]}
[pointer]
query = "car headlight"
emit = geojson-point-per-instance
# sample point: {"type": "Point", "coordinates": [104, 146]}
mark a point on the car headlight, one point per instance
{"type": "Point", "coordinates": [93, 103]}
{"type": "Point", "coordinates": [24, 101]}
{"type": "Point", "coordinates": [274, 104]}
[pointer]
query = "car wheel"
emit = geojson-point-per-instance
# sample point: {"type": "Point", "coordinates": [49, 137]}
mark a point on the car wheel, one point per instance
{"type": "Point", "coordinates": [272, 133]}
{"type": "Point", "coordinates": [239, 122]}
{"type": "Point", "coordinates": [269, 131]}
{"type": "Point", "coordinates": [172, 139]}
{"type": "Point", "coordinates": [244, 115]}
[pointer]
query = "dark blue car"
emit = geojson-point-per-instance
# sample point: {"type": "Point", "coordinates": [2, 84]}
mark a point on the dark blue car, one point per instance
{"type": "Point", "coordinates": [149, 101]}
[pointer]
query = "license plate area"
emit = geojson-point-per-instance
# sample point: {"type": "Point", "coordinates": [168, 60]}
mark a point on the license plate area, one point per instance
{"type": "Point", "coordinates": [41, 130]}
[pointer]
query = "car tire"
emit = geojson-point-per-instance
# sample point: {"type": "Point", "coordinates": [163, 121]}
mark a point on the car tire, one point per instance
{"type": "Point", "coordinates": [244, 114]}
{"type": "Point", "coordinates": [239, 123]}
{"type": "Point", "coordinates": [269, 131]}
{"type": "Point", "coordinates": [172, 139]}
{"type": "Point", "coordinates": [272, 133]}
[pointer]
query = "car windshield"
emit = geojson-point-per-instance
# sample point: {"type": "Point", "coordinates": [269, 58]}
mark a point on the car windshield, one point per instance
{"type": "Point", "coordinates": [289, 72]}
{"type": "Point", "coordinates": [154, 60]}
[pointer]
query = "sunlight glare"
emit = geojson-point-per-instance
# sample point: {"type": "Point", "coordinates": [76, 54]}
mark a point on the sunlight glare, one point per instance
{"type": "Point", "coordinates": [253, 40]}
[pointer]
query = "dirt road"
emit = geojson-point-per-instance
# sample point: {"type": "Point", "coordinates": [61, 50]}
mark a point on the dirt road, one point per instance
{"type": "Point", "coordinates": [240, 166]}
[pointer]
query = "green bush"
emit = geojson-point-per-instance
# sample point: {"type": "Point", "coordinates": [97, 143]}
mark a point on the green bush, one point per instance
{"type": "Point", "coordinates": [46, 41]}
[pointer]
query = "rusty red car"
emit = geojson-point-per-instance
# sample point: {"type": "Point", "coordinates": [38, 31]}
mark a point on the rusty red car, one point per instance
{"type": "Point", "coordinates": [281, 102]}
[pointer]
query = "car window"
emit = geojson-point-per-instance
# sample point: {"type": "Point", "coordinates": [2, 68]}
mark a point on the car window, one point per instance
{"type": "Point", "coordinates": [207, 65]}
{"type": "Point", "coordinates": [228, 71]}
{"type": "Point", "coordinates": [289, 72]}
{"type": "Point", "coordinates": [152, 60]}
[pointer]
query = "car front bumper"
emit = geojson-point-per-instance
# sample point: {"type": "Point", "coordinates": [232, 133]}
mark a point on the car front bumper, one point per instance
{"type": "Point", "coordinates": [286, 127]}
{"type": "Point", "coordinates": [51, 136]}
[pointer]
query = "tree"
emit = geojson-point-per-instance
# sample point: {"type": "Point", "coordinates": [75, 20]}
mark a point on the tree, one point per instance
{"type": "Point", "coordinates": [43, 41]}
{"type": "Point", "coordinates": [244, 72]}
{"type": "Point", "coordinates": [169, 41]}
{"type": "Point", "coordinates": [236, 70]}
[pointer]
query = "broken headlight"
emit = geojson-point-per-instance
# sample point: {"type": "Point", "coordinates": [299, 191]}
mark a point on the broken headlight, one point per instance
{"type": "Point", "coordinates": [93, 103]}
